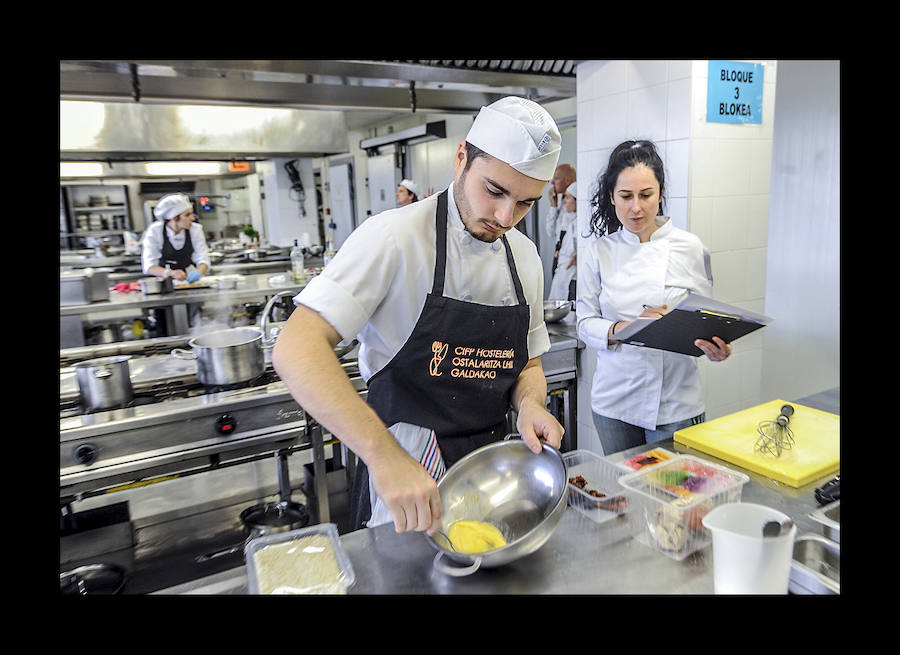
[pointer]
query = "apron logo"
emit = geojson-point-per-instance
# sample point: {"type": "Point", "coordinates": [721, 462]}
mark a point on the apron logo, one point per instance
{"type": "Point", "coordinates": [440, 351]}
{"type": "Point", "coordinates": [470, 362]}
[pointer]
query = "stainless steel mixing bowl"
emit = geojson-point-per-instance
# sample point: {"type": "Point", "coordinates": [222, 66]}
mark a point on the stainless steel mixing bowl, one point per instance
{"type": "Point", "coordinates": [522, 493]}
{"type": "Point", "coordinates": [556, 310]}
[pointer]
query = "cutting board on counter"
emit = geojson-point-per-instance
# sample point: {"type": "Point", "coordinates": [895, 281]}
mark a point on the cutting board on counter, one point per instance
{"type": "Point", "coordinates": [816, 451]}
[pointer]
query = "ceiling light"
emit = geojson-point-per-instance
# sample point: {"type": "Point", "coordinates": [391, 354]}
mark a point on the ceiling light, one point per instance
{"type": "Point", "coordinates": [80, 169]}
{"type": "Point", "coordinates": [182, 167]}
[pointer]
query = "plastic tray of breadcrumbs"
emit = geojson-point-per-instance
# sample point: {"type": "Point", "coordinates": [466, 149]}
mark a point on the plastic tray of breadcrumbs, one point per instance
{"type": "Point", "coordinates": [306, 561]}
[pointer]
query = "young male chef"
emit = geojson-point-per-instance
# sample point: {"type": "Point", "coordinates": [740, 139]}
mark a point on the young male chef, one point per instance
{"type": "Point", "coordinates": [445, 298]}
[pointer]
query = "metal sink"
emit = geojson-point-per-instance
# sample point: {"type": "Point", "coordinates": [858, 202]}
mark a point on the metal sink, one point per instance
{"type": "Point", "coordinates": [816, 566]}
{"type": "Point", "coordinates": [830, 518]}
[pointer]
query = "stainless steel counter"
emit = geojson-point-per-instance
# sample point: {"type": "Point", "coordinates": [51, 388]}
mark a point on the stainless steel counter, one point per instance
{"type": "Point", "coordinates": [581, 557]}
{"type": "Point", "coordinates": [250, 286]}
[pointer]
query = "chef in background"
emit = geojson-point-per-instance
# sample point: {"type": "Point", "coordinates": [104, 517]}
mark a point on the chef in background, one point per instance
{"type": "Point", "coordinates": [175, 246]}
{"type": "Point", "coordinates": [407, 193]}
{"type": "Point", "coordinates": [558, 219]}
{"type": "Point", "coordinates": [562, 286]}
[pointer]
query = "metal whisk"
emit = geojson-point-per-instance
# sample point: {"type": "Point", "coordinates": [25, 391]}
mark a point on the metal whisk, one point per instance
{"type": "Point", "coordinates": [776, 436]}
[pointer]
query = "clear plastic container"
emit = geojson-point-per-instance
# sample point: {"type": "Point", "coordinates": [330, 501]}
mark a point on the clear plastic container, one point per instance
{"type": "Point", "coordinates": [650, 457]}
{"type": "Point", "coordinates": [310, 560]}
{"type": "Point", "coordinates": [601, 476]}
{"type": "Point", "coordinates": [669, 500]}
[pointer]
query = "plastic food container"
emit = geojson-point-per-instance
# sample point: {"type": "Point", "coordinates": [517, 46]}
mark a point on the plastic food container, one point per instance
{"type": "Point", "coordinates": [669, 500]}
{"type": "Point", "coordinates": [648, 458]}
{"type": "Point", "coordinates": [600, 476]}
{"type": "Point", "coordinates": [306, 561]}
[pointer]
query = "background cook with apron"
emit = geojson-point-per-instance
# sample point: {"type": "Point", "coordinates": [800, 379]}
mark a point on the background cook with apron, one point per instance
{"type": "Point", "coordinates": [562, 286]}
{"type": "Point", "coordinates": [445, 299]}
{"type": "Point", "coordinates": [175, 240]}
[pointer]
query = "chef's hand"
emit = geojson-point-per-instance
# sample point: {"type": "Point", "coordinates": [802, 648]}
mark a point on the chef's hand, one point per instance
{"type": "Point", "coordinates": [655, 312]}
{"type": "Point", "coordinates": [178, 274]}
{"type": "Point", "coordinates": [193, 276]}
{"type": "Point", "coordinates": [407, 490]}
{"type": "Point", "coordinates": [536, 424]}
{"type": "Point", "coordinates": [717, 352]}
{"type": "Point", "coordinates": [649, 312]}
{"type": "Point", "coordinates": [551, 196]}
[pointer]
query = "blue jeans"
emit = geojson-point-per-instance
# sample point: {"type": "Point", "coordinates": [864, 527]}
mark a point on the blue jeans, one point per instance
{"type": "Point", "coordinates": [616, 436]}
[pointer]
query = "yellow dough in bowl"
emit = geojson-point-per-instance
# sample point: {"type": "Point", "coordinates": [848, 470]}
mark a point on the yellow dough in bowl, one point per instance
{"type": "Point", "coordinates": [475, 537]}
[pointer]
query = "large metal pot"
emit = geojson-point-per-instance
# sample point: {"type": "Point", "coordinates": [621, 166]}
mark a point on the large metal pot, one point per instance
{"type": "Point", "coordinates": [104, 382]}
{"type": "Point", "coordinates": [227, 356]}
{"type": "Point", "coordinates": [522, 493]}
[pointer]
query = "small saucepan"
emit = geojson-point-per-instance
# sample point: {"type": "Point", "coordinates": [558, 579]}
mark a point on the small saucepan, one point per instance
{"type": "Point", "coordinates": [264, 519]}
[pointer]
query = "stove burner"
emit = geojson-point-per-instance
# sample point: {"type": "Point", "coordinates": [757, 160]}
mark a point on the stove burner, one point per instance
{"type": "Point", "coordinates": [170, 390]}
{"type": "Point", "coordinates": [266, 378]}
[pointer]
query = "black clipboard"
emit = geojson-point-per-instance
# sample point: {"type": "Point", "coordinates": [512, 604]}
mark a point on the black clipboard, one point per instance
{"type": "Point", "coordinates": [694, 318]}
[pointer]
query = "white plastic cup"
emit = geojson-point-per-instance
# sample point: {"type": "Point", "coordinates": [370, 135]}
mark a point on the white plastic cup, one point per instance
{"type": "Point", "coordinates": [745, 562]}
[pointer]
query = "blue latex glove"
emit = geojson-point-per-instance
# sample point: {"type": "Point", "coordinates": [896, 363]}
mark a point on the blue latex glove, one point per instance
{"type": "Point", "coordinates": [193, 276]}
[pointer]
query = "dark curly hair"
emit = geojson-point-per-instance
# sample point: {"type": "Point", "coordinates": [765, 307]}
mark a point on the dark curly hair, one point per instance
{"type": "Point", "coordinates": [624, 155]}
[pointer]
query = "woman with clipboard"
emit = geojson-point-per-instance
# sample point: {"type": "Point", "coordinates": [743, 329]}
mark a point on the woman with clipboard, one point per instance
{"type": "Point", "coordinates": [640, 266]}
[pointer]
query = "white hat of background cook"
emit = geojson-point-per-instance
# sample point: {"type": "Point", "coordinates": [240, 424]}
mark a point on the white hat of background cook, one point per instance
{"type": "Point", "coordinates": [520, 133]}
{"type": "Point", "coordinates": [410, 186]}
{"type": "Point", "coordinates": [171, 206]}
{"type": "Point", "coordinates": [571, 190]}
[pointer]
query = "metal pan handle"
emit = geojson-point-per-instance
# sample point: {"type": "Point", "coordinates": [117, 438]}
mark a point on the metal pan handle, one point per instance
{"type": "Point", "coordinates": [456, 571]}
{"type": "Point", "coordinates": [181, 353]}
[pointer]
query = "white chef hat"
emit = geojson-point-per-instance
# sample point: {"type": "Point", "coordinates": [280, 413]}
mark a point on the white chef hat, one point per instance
{"type": "Point", "coordinates": [571, 190]}
{"type": "Point", "coordinates": [520, 133]}
{"type": "Point", "coordinates": [171, 206]}
{"type": "Point", "coordinates": [410, 186]}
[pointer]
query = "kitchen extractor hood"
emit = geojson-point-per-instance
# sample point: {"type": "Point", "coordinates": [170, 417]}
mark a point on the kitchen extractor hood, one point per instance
{"type": "Point", "coordinates": [411, 136]}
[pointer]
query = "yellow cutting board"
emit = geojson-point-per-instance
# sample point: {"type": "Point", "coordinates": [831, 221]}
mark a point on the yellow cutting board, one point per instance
{"type": "Point", "coordinates": [816, 451]}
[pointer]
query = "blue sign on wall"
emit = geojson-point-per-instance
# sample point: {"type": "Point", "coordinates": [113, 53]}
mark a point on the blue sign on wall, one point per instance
{"type": "Point", "coordinates": [734, 92]}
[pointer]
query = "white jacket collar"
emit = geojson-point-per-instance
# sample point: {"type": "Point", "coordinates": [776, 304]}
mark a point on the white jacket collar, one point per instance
{"type": "Point", "coordinates": [664, 229]}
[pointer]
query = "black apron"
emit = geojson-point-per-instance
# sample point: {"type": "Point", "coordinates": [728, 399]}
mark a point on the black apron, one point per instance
{"type": "Point", "coordinates": [562, 233]}
{"type": "Point", "coordinates": [176, 259]}
{"type": "Point", "coordinates": [456, 371]}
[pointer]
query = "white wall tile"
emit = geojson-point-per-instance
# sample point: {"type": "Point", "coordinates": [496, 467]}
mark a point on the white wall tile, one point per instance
{"type": "Point", "coordinates": [646, 113]}
{"type": "Point", "coordinates": [679, 69]}
{"type": "Point", "coordinates": [731, 158]}
{"type": "Point", "coordinates": [678, 109]}
{"type": "Point", "coordinates": [728, 271]}
{"type": "Point", "coordinates": [757, 221]}
{"type": "Point", "coordinates": [676, 208]}
{"type": "Point", "coordinates": [610, 114]}
{"type": "Point", "coordinates": [646, 72]}
{"type": "Point", "coordinates": [728, 223]}
{"type": "Point", "coordinates": [677, 163]}
{"type": "Point", "coordinates": [703, 167]}
{"type": "Point", "coordinates": [760, 165]}
{"type": "Point", "coordinates": [701, 217]}
{"type": "Point", "coordinates": [605, 77]}
{"type": "Point", "coordinates": [756, 274]}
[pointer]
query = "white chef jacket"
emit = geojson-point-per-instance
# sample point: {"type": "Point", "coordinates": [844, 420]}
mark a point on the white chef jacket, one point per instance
{"type": "Point", "coordinates": [558, 219]}
{"type": "Point", "coordinates": [152, 243]}
{"type": "Point", "coordinates": [559, 285]}
{"type": "Point", "coordinates": [641, 386]}
{"type": "Point", "coordinates": [374, 290]}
